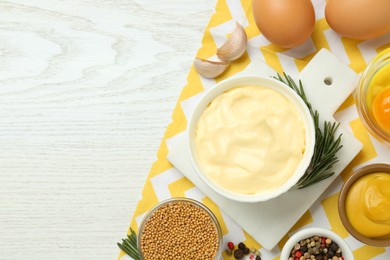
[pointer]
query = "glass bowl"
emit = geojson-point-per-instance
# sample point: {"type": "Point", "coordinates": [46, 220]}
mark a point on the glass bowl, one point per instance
{"type": "Point", "coordinates": [315, 231]}
{"type": "Point", "coordinates": [366, 93]}
{"type": "Point", "coordinates": [372, 168]}
{"type": "Point", "coordinates": [185, 200]}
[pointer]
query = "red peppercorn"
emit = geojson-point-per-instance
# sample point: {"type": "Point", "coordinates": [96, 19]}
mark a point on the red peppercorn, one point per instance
{"type": "Point", "coordinates": [298, 254]}
{"type": "Point", "coordinates": [230, 245]}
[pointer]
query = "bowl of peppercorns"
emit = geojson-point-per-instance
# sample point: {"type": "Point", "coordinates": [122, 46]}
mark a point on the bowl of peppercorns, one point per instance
{"type": "Point", "coordinates": [316, 244]}
{"type": "Point", "coordinates": [180, 228]}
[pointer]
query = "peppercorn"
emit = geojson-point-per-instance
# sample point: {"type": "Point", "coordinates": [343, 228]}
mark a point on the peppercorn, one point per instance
{"type": "Point", "coordinates": [228, 251]}
{"type": "Point", "coordinates": [230, 245]}
{"type": "Point", "coordinates": [246, 250]}
{"type": "Point", "coordinates": [258, 257]}
{"type": "Point", "coordinates": [315, 248]}
{"type": "Point", "coordinates": [238, 254]}
{"type": "Point", "coordinates": [334, 246]}
{"type": "Point", "coordinates": [241, 246]}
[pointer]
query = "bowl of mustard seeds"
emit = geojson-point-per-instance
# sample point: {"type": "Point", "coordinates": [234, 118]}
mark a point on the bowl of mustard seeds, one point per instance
{"type": "Point", "coordinates": [180, 228]}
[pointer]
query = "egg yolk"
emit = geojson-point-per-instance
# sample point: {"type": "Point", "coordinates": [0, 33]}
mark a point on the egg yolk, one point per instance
{"type": "Point", "coordinates": [381, 109]}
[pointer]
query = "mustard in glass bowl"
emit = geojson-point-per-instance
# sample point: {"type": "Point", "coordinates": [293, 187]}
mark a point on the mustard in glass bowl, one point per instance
{"type": "Point", "coordinates": [373, 97]}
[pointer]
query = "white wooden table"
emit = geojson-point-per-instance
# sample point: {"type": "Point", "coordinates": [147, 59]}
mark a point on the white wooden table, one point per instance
{"type": "Point", "coordinates": [87, 88]}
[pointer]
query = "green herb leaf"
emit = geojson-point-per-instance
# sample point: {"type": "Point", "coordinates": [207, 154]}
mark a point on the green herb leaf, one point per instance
{"type": "Point", "coordinates": [326, 144]}
{"type": "Point", "coordinates": [129, 245]}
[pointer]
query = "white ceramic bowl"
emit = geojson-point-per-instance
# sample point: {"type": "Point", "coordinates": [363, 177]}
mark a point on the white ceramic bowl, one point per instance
{"type": "Point", "coordinates": [309, 232]}
{"type": "Point", "coordinates": [254, 81]}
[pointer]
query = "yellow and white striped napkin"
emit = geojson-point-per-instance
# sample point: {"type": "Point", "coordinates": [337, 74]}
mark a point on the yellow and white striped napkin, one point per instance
{"type": "Point", "coordinates": [164, 181]}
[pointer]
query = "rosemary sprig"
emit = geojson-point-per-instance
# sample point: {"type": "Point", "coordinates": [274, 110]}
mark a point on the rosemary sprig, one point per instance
{"type": "Point", "coordinates": [326, 144]}
{"type": "Point", "coordinates": [129, 245]}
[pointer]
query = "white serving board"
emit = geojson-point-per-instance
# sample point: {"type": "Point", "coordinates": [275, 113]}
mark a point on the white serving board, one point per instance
{"type": "Point", "coordinates": [267, 222]}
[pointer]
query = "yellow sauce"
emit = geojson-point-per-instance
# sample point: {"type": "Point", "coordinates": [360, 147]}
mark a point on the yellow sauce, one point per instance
{"type": "Point", "coordinates": [378, 97]}
{"type": "Point", "coordinates": [368, 205]}
{"type": "Point", "coordinates": [250, 139]}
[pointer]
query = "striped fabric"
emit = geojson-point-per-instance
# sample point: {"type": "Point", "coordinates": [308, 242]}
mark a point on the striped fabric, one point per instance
{"type": "Point", "coordinates": [164, 181]}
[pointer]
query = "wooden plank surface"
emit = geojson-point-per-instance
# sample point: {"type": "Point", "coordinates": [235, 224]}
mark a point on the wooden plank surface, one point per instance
{"type": "Point", "coordinates": [86, 91]}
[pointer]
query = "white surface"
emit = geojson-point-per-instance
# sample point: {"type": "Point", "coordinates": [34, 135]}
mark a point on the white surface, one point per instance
{"type": "Point", "coordinates": [87, 88]}
{"type": "Point", "coordinates": [267, 222]}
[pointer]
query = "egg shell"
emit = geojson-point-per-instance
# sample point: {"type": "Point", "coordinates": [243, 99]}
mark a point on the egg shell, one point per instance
{"type": "Point", "coordinates": [285, 23]}
{"type": "Point", "coordinates": [358, 19]}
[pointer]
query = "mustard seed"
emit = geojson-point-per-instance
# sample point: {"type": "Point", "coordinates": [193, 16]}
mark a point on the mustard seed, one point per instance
{"type": "Point", "coordinates": [179, 230]}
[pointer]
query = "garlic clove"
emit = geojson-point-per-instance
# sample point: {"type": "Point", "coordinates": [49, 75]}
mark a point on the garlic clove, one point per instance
{"type": "Point", "coordinates": [235, 46]}
{"type": "Point", "coordinates": [210, 69]}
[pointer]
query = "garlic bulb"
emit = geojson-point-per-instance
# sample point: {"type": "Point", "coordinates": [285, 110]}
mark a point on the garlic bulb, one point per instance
{"type": "Point", "coordinates": [209, 69]}
{"type": "Point", "coordinates": [235, 46]}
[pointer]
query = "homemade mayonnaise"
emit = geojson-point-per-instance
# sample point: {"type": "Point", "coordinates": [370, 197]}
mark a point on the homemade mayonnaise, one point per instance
{"type": "Point", "coordinates": [250, 140]}
{"type": "Point", "coordinates": [368, 205]}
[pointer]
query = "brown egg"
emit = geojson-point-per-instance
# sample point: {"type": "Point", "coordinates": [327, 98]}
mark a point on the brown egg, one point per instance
{"type": "Point", "coordinates": [285, 23]}
{"type": "Point", "coordinates": [359, 19]}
